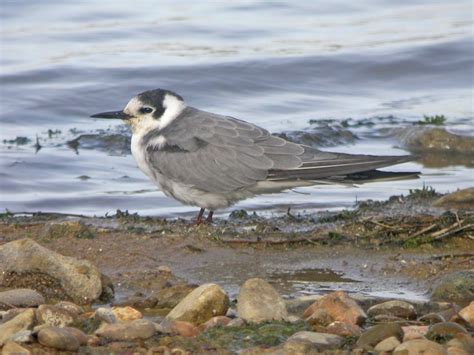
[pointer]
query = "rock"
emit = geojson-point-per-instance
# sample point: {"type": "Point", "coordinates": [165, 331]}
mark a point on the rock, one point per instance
{"type": "Point", "coordinates": [219, 321]}
{"type": "Point", "coordinates": [201, 304]}
{"type": "Point", "coordinates": [164, 268]}
{"type": "Point", "coordinates": [467, 313]}
{"type": "Point", "coordinates": [169, 297]}
{"type": "Point", "coordinates": [137, 302]}
{"type": "Point", "coordinates": [387, 345]}
{"type": "Point", "coordinates": [395, 308]}
{"type": "Point", "coordinates": [58, 338]}
{"type": "Point", "coordinates": [461, 199]}
{"type": "Point", "coordinates": [123, 314]}
{"type": "Point", "coordinates": [54, 316]}
{"type": "Point", "coordinates": [22, 321]}
{"type": "Point", "coordinates": [105, 314]}
{"type": "Point", "coordinates": [430, 140]}
{"type": "Point", "coordinates": [236, 322]}
{"type": "Point", "coordinates": [322, 341]}
{"type": "Point", "coordinates": [419, 347]}
{"type": "Point", "coordinates": [411, 332]}
{"type": "Point", "coordinates": [457, 351]}
{"type": "Point", "coordinates": [26, 262]}
{"type": "Point", "coordinates": [377, 333]}
{"type": "Point", "coordinates": [12, 348]}
{"type": "Point", "coordinates": [290, 347]}
{"type": "Point", "coordinates": [20, 298]}
{"type": "Point", "coordinates": [457, 287]}
{"type": "Point", "coordinates": [445, 329]}
{"type": "Point", "coordinates": [340, 307]}
{"type": "Point", "coordinates": [431, 318]}
{"type": "Point", "coordinates": [72, 308]}
{"type": "Point", "coordinates": [78, 334]}
{"type": "Point", "coordinates": [184, 329]}
{"type": "Point", "coordinates": [10, 314]}
{"type": "Point", "coordinates": [137, 329]}
{"type": "Point", "coordinates": [23, 336]}
{"type": "Point", "coordinates": [320, 318]}
{"type": "Point", "coordinates": [344, 329]}
{"type": "Point", "coordinates": [462, 341]}
{"type": "Point", "coordinates": [259, 302]}
{"type": "Point", "coordinates": [298, 305]}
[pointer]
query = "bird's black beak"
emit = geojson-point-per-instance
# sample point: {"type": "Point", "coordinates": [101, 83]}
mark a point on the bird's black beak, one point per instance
{"type": "Point", "coordinates": [113, 115]}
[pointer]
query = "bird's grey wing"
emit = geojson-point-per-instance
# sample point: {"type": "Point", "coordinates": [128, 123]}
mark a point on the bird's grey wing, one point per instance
{"type": "Point", "coordinates": [218, 154]}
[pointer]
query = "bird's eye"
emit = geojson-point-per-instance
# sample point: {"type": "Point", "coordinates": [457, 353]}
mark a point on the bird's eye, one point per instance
{"type": "Point", "coordinates": [145, 110]}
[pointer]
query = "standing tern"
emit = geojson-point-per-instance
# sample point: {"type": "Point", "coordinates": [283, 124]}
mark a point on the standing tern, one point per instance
{"type": "Point", "coordinates": [213, 161]}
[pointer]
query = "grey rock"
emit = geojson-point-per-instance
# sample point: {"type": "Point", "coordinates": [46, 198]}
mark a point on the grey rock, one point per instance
{"type": "Point", "coordinates": [394, 308]}
{"type": "Point", "coordinates": [137, 329]}
{"type": "Point", "coordinates": [20, 298]}
{"type": "Point", "coordinates": [323, 341]}
{"type": "Point", "coordinates": [444, 329]}
{"type": "Point", "coordinates": [58, 338]}
{"type": "Point", "coordinates": [23, 336]}
{"type": "Point", "coordinates": [105, 314]}
{"type": "Point", "coordinates": [259, 302]}
{"type": "Point", "coordinates": [22, 321]}
{"type": "Point", "coordinates": [25, 261]}
{"type": "Point", "coordinates": [457, 287]}
{"type": "Point", "coordinates": [203, 303]}
{"type": "Point", "coordinates": [70, 307]}
{"type": "Point", "coordinates": [374, 335]}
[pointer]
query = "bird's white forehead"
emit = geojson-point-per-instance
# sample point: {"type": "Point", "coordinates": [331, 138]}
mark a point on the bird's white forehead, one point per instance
{"type": "Point", "coordinates": [133, 105]}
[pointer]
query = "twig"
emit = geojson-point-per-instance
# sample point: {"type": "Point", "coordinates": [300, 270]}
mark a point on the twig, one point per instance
{"type": "Point", "coordinates": [379, 224]}
{"type": "Point", "coordinates": [423, 231]}
{"type": "Point", "coordinates": [446, 256]}
{"type": "Point", "coordinates": [453, 231]}
{"type": "Point", "coordinates": [444, 230]}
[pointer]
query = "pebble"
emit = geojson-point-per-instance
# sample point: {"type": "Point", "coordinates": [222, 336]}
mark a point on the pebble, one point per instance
{"type": "Point", "coordinates": [12, 348]}
{"type": "Point", "coordinates": [219, 321]}
{"type": "Point", "coordinates": [323, 341]}
{"type": "Point", "coordinates": [259, 302]}
{"type": "Point", "coordinates": [377, 333]}
{"type": "Point", "coordinates": [387, 345]}
{"type": "Point", "coordinates": [394, 308]}
{"type": "Point", "coordinates": [431, 318]}
{"type": "Point", "coordinates": [105, 315]}
{"type": "Point", "coordinates": [203, 303]}
{"type": "Point", "coordinates": [446, 329]}
{"type": "Point", "coordinates": [419, 346]}
{"type": "Point", "coordinates": [137, 329]}
{"type": "Point", "coordinates": [58, 338]}
{"type": "Point", "coordinates": [23, 336]}
{"type": "Point", "coordinates": [320, 317]}
{"type": "Point", "coordinates": [236, 322]}
{"type": "Point", "coordinates": [22, 321]}
{"type": "Point", "coordinates": [70, 307]}
{"type": "Point", "coordinates": [54, 316]}
{"type": "Point", "coordinates": [123, 314]}
{"type": "Point", "coordinates": [169, 297]}
{"type": "Point", "coordinates": [467, 313]}
{"type": "Point", "coordinates": [340, 307]}
{"type": "Point", "coordinates": [411, 332]}
{"type": "Point", "coordinates": [344, 329]}
{"type": "Point", "coordinates": [20, 298]}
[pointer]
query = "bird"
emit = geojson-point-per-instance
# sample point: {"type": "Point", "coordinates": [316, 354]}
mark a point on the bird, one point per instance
{"type": "Point", "coordinates": [212, 161]}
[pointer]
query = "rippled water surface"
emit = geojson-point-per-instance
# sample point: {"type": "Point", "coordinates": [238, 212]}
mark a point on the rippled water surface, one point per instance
{"type": "Point", "coordinates": [276, 64]}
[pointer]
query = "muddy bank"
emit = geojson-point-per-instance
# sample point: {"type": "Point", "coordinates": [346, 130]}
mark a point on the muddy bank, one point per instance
{"type": "Point", "coordinates": [399, 249]}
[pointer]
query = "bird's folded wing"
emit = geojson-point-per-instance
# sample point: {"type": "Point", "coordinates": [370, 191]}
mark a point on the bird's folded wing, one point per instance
{"type": "Point", "coordinates": [219, 154]}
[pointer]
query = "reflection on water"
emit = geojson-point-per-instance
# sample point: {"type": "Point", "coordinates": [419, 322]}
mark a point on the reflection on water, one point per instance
{"type": "Point", "coordinates": [277, 64]}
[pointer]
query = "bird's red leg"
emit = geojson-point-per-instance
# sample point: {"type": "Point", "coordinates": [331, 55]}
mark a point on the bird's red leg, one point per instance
{"type": "Point", "coordinates": [209, 217]}
{"type": "Point", "coordinates": [199, 217]}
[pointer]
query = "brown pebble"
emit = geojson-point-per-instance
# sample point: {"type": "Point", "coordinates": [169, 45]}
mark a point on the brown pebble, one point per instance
{"type": "Point", "coordinates": [58, 338]}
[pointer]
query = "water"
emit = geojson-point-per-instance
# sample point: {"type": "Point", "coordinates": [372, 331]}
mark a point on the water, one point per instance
{"type": "Point", "coordinates": [276, 64]}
